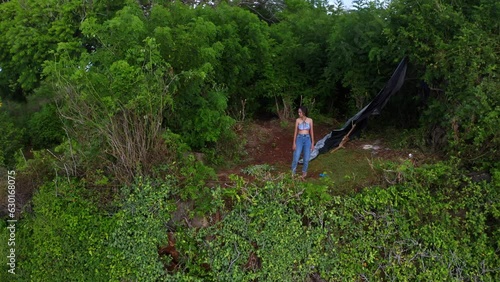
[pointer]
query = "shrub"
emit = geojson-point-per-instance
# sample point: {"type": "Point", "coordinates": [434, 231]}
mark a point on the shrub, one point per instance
{"type": "Point", "coordinates": [139, 231]}
{"type": "Point", "coordinates": [261, 238]}
{"type": "Point", "coordinates": [67, 238]}
{"type": "Point", "coordinates": [45, 128]}
{"type": "Point", "coordinates": [433, 224]}
{"type": "Point", "coordinates": [10, 140]}
{"type": "Point", "coordinates": [67, 233]}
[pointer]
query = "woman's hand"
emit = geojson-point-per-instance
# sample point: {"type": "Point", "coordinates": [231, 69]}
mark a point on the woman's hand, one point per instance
{"type": "Point", "coordinates": [312, 148]}
{"type": "Point", "coordinates": [294, 147]}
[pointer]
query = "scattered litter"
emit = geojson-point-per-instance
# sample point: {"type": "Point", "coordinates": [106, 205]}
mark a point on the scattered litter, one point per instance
{"type": "Point", "coordinates": [371, 147]}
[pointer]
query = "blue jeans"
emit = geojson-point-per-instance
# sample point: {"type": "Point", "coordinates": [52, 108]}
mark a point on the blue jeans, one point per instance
{"type": "Point", "coordinates": [302, 143]}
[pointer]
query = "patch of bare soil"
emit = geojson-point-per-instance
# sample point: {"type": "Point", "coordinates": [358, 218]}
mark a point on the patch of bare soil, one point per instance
{"type": "Point", "coordinates": [270, 142]}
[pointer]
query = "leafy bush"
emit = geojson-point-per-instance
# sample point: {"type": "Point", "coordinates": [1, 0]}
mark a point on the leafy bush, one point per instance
{"type": "Point", "coordinates": [67, 233]}
{"type": "Point", "coordinates": [221, 156]}
{"type": "Point", "coordinates": [74, 241]}
{"type": "Point", "coordinates": [434, 224]}
{"type": "Point", "coordinates": [45, 128]}
{"type": "Point", "coordinates": [203, 123]}
{"type": "Point", "coordinates": [260, 238]}
{"type": "Point", "coordinates": [10, 140]}
{"type": "Point", "coordinates": [139, 230]}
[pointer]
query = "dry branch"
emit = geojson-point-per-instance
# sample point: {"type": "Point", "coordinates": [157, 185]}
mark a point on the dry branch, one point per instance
{"type": "Point", "coordinates": [345, 139]}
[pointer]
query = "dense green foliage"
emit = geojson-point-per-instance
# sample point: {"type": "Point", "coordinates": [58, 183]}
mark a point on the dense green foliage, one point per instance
{"type": "Point", "coordinates": [112, 111]}
{"type": "Point", "coordinates": [10, 139]}
{"type": "Point", "coordinates": [74, 240]}
{"type": "Point", "coordinates": [406, 232]}
{"type": "Point", "coordinates": [197, 69]}
{"type": "Point", "coordinates": [437, 224]}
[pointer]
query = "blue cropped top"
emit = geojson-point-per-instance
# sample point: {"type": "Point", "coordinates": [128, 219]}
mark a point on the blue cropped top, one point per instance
{"type": "Point", "coordinates": [304, 126]}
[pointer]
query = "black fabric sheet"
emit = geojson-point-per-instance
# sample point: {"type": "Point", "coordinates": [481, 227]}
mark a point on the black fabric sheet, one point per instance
{"type": "Point", "coordinates": [333, 139]}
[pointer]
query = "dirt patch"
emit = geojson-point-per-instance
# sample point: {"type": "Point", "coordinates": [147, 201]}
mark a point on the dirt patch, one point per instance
{"type": "Point", "coordinates": [270, 142]}
{"type": "Point", "coordinates": [275, 140]}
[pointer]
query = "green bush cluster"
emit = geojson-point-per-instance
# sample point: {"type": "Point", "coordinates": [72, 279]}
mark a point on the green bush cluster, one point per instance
{"type": "Point", "coordinates": [67, 238]}
{"type": "Point", "coordinates": [45, 128]}
{"type": "Point", "coordinates": [10, 140]}
{"type": "Point", "coordinates": [421, 229]}
{"type": "Point", "coordinates": [435, 224]}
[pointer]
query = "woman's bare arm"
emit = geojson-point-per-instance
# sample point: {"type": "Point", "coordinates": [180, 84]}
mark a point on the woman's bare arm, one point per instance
{"type": "Point", "coordinates": [295, 134]}
{"type": "Point", "coordinates": [312, 135]}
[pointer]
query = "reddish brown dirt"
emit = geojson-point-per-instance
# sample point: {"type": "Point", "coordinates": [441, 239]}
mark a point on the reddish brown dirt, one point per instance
{"type": "Point", "coordinates": [270, 142]}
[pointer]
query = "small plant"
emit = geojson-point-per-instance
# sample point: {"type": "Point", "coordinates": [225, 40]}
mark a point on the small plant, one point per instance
{"type": "Point", "coordinates": [284, 124]}
{"type": "Point", "coordinates": [258, 170]}
{"type": "Point", "coordinates": [318, 192]}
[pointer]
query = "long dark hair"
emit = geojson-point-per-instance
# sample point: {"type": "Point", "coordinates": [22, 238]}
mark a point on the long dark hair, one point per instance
{"type": "Point", "coordinates": [304, 110]}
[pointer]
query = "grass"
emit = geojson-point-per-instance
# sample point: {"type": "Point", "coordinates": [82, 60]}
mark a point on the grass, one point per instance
{"type": "Point", "coordinates": [346, 170]}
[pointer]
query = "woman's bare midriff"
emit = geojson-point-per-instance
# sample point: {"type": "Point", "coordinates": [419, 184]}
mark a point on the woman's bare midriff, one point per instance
{"type": "Point", "coordinates": [303, 132]}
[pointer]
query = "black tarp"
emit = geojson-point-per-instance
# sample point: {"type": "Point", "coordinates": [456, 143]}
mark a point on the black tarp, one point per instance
{"type": "Point", "coordinates": [360, 120]}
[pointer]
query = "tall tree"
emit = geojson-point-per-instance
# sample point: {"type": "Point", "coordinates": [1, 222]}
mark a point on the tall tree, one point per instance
{"type": "Point", "coordinates": [299, 57]}
{"type": "Point", "coordinates": [113, 98]}
{"type": "Point", "coordinates": [457, 57]}
{"type": "Point", "coordinates": [358, 55]}
{"type": "Point", "coordinates": [31, 30]}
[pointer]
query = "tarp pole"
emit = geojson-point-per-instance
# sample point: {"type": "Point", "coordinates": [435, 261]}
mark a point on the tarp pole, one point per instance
{"type": "Point", "coordinates": [345, 139]}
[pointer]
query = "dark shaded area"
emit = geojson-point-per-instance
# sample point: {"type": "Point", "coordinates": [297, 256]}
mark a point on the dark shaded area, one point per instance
{"type": "Point", "coordinates": [360, 120]}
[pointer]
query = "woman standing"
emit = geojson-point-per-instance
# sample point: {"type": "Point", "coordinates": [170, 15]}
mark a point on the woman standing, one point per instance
{"type": "Point", "coordinates": [303, 140]}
